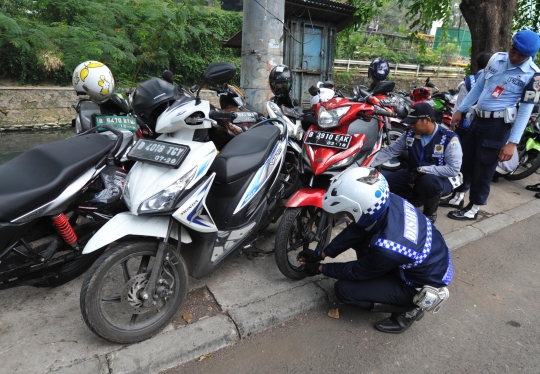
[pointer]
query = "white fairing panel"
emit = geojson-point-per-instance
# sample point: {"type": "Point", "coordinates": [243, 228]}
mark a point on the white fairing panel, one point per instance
{"type": "Point", "coordinates": [173, 118]}
{"type": "Point", "coordinates": [194, 213]}
{"type": "Point", "coordinates": [124, 224]}
{"type": "Point", "coordinates": [274, 160]}
{"type": "Point", "coordinates": [146, 180]}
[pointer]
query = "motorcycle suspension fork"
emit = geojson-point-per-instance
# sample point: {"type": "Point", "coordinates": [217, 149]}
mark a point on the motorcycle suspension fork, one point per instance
{"type": "Point", "coordinates": [162, 256]}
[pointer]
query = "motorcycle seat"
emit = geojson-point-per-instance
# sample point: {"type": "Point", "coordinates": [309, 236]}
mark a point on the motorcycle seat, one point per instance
{"type": "Point", "coordinates": [41, 174]}
{"type": "Point", "coordinates": [245, 153]}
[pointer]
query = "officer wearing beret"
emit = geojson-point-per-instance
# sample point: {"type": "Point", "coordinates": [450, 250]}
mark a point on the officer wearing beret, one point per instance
{"type": "Point", "coordinates": [434, 159]}
{"type": "Point", "coordinates": [497, 125]}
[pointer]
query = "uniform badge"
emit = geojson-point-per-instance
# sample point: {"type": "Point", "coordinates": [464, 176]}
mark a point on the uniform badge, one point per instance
{"type": "Point", "coordinates": [410, 142]}
{"type": "Point", "coordinates": [454, 143]}
{"type": "Point", "coordinates": [439, 149]}
{"type": "Point", "coordinates": [536, 83]}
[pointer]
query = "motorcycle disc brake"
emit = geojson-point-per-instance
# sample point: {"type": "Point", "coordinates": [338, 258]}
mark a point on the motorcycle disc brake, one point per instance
{"type": "Point", "coordinates": [132, 300]}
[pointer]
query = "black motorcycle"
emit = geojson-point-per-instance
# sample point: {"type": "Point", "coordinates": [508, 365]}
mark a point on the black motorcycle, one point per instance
{"type": "Point", "coordinates": [53, 198]}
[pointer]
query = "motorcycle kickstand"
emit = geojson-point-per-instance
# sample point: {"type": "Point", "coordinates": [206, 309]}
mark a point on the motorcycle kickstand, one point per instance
{"type": "Point", "coordinates": [252, 251]}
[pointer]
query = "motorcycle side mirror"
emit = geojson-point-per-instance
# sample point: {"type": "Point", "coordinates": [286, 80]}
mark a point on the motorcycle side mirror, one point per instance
{"type": "Point", "coordinates": [313, 91]}
{"type": "Point", "coordinates": [430, 85]}
{"type": "Point", "coordinates": [168, 76]}
{"type": "Point", "coordinates": [194, 89]}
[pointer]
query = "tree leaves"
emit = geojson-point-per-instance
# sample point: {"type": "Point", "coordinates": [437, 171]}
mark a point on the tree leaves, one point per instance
{"type": "Point", "coordinates": [162, 34]}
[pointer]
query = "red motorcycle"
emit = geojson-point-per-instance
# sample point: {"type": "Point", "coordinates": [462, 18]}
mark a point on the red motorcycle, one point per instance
{"type": "Point", "coordinates": [348, 131]}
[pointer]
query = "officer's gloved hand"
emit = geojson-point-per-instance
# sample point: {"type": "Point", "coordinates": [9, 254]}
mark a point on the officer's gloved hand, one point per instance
{"type": "Point", "coordinates": [310, 256]}
{"type": "Point", "coordinates": [414, 175]}
{"type": "Point", "coordinates": [312, 269]}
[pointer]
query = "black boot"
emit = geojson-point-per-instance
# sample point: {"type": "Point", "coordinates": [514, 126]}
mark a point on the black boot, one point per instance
{"type": "Point", "coordinates": [416, 200]}
{"type": "Point", "coordinates": [397, 323]}
{"type": "Point", "coordinates": [430, 207]}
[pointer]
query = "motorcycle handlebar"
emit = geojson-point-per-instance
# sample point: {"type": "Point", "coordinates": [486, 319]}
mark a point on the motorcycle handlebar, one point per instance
{"type": "Point", "coordinates": [384, 113]}
{"type": "Point", "coordinates": [229, 116]}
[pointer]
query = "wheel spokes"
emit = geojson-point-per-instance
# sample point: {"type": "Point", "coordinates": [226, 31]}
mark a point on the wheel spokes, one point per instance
{"type": "Point", "coordinates": [133, 319]}
{"type": "Point", "coordinates": [143, 266]}
{"type": "Point", "coordinates": [125, 271]}
{"type": "Point", "coordinates": [112, 300]}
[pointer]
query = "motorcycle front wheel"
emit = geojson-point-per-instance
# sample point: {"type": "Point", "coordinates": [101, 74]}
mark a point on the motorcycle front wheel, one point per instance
{"type": "Point", "coordinates": [111, 301]}
{"type": "Point", "coordinates": [297, 231]}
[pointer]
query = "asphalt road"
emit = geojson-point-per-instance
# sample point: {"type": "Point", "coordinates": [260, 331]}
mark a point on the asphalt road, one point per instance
{"type": "Point", "coordinates": [489, 325]}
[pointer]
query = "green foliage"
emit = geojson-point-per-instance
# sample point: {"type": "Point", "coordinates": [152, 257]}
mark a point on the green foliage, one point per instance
{"type": "Point", "coordinates": [44, 40]}
{"type": "Point", "coordinates": [527, 15]}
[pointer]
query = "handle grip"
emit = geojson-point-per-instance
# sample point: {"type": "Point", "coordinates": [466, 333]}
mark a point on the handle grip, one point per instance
{"type": "Point", "coordinates": [384, 113]}
{"type": "Point", "coordinates": [229, 116]}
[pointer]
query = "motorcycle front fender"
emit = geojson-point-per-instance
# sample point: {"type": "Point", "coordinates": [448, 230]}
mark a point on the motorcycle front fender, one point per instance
{"type": "Point", "coordinates": [532, 143]}
{"type": "Point", "coordinates": [306, 196]}
{"type": "Point", "coordinates": [125, 224]}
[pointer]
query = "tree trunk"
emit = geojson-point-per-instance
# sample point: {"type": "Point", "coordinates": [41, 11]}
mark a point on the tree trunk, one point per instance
{"type": "Point", "coordinates": [490, 22]}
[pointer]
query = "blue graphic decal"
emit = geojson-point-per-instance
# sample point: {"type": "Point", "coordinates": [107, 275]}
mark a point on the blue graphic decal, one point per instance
{"type": "Point", "coordinates": [257, 180]}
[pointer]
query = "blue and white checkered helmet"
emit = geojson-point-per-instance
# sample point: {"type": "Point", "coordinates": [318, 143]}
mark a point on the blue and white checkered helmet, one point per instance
{"type": "Point", "coordinates": [360, 191]}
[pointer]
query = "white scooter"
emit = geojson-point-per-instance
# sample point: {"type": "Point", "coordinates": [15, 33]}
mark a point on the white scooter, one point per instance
{"type": "Point", "coordinates": [190, 209]}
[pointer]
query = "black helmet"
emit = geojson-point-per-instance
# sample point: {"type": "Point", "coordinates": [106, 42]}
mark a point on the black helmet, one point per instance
{"type": "Point", "coordinates": [280, 80]}
{"type": "Point", "coordinates": [151, 98]}
{"type": "Point", "coordinates": [401, 111]}
{"type": "Point", "coordinates": [378, 69]}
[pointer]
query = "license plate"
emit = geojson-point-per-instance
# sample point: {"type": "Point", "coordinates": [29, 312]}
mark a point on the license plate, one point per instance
{"type": "Point", "coordinates": [120, 122]}
{"type": "Point", "coordinates": [328, 139]}
{"type": "Point", "coordinates": [246, 117]}
{"type": "Point", "coordinates": [159, 153]}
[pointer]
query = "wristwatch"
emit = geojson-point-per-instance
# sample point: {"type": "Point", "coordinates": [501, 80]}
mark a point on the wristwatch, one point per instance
{"type": "Point", "coordinates": [420, 170]}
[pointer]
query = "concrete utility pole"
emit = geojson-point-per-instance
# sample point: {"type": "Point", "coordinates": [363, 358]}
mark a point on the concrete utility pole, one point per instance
{"type": "Point", "coordinates": [262, 48]}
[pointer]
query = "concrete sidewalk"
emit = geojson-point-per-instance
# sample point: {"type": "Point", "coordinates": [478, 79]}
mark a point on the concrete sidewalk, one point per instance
{"type": "Point", "coordinates": [42, 331]}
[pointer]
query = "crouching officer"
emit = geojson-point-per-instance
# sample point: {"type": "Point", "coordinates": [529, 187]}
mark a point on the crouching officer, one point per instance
{"type": "Point", "coordinates": [403, 264]}
{"type": "Point", "coordinates": [434, 160]}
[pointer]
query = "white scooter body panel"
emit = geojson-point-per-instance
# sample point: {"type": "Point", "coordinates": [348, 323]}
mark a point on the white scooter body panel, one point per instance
{"type": "Point", "coordinates": [274, 160]}
{"type": "Point", "coordinates": [191, 213]}
{"type": "Point", "coordinates": [124, 224]}
{"type": "Point", "coordinates": [146, 180]}
{"type": "Point", "coordinates": [173, 118]}
{"type": "Point", "coordinates": [294, 128]}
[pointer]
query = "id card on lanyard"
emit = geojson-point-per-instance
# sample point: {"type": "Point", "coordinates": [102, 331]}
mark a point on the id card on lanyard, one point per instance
{"type": "Point", "coordinates": [497, 92]}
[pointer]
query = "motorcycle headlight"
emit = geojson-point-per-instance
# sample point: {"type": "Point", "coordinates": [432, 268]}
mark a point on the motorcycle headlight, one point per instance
{"type": "Point", "coordinates": [340, 164]}
{"type": "Point", "coordinates": [330, 118]}
{"type": "Point", "coordinates": [166, 199]}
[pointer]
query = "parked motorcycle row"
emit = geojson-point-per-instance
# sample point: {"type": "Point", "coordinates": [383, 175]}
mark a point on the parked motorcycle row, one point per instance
{"type": "Point", "coordinates": [159, 185]}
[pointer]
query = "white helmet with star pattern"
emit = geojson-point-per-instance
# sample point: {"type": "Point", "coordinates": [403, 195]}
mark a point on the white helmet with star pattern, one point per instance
{"type": "Point", "coordinates": [359, 191]}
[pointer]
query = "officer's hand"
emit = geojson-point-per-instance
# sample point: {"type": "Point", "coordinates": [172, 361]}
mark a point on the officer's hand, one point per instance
{"type": "Point", "coordinates": [507, 152]}
{"type": "Point", "coordinates": [312, 269]}
{"type": "Point", "coordinates": [309, 256]}
{"type": "Point", "coordinates": [414, 175]}
{"type": "Point", "coordinates": [456, 119]}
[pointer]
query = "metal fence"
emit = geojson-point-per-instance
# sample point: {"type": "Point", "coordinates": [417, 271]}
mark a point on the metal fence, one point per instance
{"type": "Point", "coordinates": [400, 69]}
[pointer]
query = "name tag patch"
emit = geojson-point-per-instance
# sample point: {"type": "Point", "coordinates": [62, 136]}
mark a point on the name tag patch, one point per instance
{"type": "Point", "coordinates": [410, 229]}
{"type": "Point", "coordinates": [439, 149]}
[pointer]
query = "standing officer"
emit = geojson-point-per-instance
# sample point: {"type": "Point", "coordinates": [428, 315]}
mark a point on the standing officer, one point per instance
{"type": "Point", "coordinates": [399, 252]}
{"type": "Point", "coordinates": [491, 137]}
{"type": "Point", "coordinates": [434, 159]}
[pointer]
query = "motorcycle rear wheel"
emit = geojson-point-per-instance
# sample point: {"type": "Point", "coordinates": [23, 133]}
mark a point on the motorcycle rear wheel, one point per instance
{"type": "Point", "coordinates": [111, 303]}
{"type": "Point", "coordinates": [529, 162]}
{"type": "Point", "coordinates": [295, 232]}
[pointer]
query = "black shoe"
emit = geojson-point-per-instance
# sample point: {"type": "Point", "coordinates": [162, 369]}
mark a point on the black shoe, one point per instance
{"type": "Point", "coordinates": [463, 214]}
{"type": "Point", "coordinates": [533, 187]}
{"type": "Point", "coordinates": [430, 207]}
{"type": "Point", "coordinates": [446, 202]}
{"type": "Point", "coordinates": [398, 323]}
{"type": "Point", "coordinates": [537, 195]}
